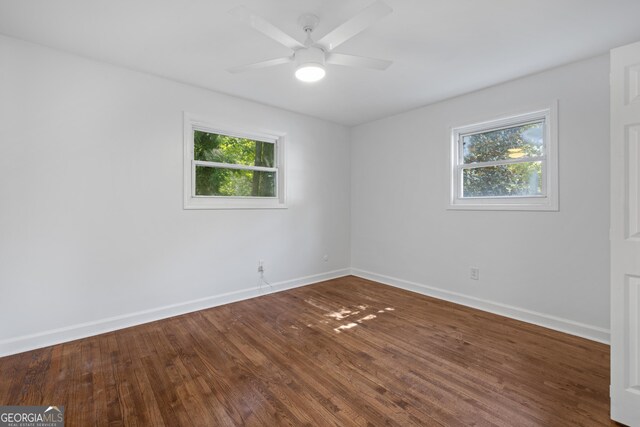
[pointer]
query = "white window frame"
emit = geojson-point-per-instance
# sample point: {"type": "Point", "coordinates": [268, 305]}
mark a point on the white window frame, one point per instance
{"type": "Point", "coordinates": [548, 201]}
{"type": "Point", "coordinates": [192, 201]}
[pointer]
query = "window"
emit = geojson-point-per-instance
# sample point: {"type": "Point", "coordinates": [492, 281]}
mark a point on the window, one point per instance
{"type": "Point", "coordinates": [509, 163]}
{"type": "Point", "coordinates": [232, 169]}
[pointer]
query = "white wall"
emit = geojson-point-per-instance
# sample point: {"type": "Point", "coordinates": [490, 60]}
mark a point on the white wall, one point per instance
{"type": "Point", "coordinates": [547, 267]}
{"type": "Point", "coordinates": [93, 235]}
{"type": "Point", "coordinates": [91, 219]}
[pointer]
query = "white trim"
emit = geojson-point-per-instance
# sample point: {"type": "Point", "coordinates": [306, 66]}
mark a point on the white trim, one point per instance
{"type": "Point", "coordinates": [191, 201]}
{"type": "Point", "coordinates": [502, 162]}
{"type": "Point", "coordinates": [233, 166]}
{"type": "Point", "coordinates": [590, 332]}
{"type": "Point", "coordinates": [547, 202]}
{"type": "Point", "coordinates": [57, 336]}
{"type": "Point", "coordinates": [83, 330]}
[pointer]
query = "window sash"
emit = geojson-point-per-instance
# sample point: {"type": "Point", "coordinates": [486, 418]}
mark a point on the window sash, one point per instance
{"type": "Point", "coordinates": [192, 123]}
{"type": "Point", "coordinates": [543, 175]}
{"type": "Point", "coordinates": [235, 166]}
{"type": "Point", "coordinates": [531, 196]}
{"type": "Point", "coordinates": [507, 125]}
{"type": "Point", "coordinates": [541, 116]}
{"type": "Point", "coordinates": [547, 200]}
{"type": "Point", "coordinates": [460, 165]}
{"type": "Point", "coordinates": [250, 136]}
{"type": "Point", "coordinates": [232, 166]}
{"type": "Point", "coordinates": [502, 162]}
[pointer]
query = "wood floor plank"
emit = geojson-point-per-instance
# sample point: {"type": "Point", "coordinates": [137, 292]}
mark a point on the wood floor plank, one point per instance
{"type": "Point", "coordinates": [339, 353]}
{"type": "Point", "coordinates": [108, 368]}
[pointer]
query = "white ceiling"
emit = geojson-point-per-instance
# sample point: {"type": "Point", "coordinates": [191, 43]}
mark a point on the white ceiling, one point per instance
{"type": "Point", "coordinates": [440, 48]}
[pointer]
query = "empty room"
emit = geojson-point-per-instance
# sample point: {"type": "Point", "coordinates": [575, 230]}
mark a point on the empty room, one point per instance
{"type": "Point", "coordinates": [320, 213]}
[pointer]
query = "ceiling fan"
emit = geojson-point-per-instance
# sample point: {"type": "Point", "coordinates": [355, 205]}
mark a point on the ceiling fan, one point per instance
{"type": "Point", "coordinates": [311, 56]}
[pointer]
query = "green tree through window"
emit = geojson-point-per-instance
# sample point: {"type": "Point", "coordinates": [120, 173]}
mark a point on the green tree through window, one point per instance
{"type": "Point", "coordinates": [232, 174]}
{"type": "Point", "coordinates": [519, 146]}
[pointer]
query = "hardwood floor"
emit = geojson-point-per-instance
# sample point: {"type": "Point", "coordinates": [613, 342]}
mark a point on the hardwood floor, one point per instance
{"type": "Point", "coordinates": [343, 352]}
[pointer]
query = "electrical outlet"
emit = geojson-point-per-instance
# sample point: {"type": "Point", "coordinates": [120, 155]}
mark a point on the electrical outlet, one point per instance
{"type": "Point", "coordinates": [474, 273]}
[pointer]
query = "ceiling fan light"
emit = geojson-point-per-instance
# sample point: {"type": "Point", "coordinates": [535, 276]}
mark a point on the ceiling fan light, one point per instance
{"type": "Point", "coordinates": [310, 72]}
{"type": "Point", "coordinates": [310, 64]}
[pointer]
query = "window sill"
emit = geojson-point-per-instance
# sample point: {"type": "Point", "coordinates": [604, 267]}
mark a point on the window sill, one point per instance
{"type": "Point", "coordinates": [232, 203]}
{"type": "Point", "coordinates": [536, 204]}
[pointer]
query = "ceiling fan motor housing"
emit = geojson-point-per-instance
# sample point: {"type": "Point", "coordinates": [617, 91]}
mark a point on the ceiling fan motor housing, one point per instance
{"type": "Point", "coordinates": [305, 57]}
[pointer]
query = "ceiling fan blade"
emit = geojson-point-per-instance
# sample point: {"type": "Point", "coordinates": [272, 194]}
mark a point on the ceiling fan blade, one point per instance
{"type": "Point", "coordinates": [353, 26]}
{"type": "Point", "coordinates": [262, 64]}
{"type": "Point", "coordinates": [246, 15]}
{"type": "Point", "coordinates": [357, 61]}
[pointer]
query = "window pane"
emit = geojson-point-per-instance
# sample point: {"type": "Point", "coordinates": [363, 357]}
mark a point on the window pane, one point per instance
{"type": "Point", "coordinates": [518, 179]}
{"type": "Point", "coordinates": [510, 143]}
{"type": "Point", "coordinates": [233, 182]}
{"type": "Point", "coordinates": [212, 147]}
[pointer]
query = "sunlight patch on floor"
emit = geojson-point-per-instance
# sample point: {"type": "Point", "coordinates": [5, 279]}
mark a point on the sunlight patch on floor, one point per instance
{"type": "Point", "coordinates": [369, 317]}
{"type": "Point", "coordinates": [347, 326]}
{"type": "Point", "coordinates": [339, 315]}
{"type": "Point", "coordinates": [344, 313]}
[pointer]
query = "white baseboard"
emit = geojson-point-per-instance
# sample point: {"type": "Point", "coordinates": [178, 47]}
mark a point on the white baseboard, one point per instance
{"type": "Point", "coordinates": [83, 330]}
{"type": "Point", "coordinates": [57, 336]}
{"type": "Point", "coordinates": [593, 333]}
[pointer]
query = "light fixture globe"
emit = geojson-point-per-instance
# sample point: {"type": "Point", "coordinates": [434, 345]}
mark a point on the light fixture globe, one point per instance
{"type": "Point", "coordinates": [310, 64]}
{"type": "Point", "coordinates": [310, 73]}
